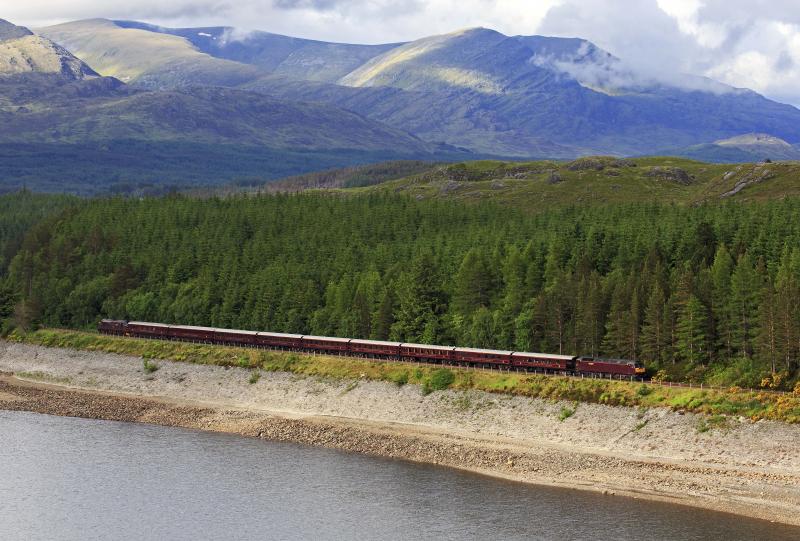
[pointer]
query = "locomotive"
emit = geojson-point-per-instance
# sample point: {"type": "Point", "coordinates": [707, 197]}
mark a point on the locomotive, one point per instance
{"type": "Point", "coordinates": [398, 351]}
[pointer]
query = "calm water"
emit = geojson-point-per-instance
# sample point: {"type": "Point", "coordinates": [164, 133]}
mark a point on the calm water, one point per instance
{"type": "Point", "coordinates": [64, 478]}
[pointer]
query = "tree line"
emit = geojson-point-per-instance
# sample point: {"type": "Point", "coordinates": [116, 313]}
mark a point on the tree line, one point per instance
{"type": "Point", "coordinates": [706, 293]}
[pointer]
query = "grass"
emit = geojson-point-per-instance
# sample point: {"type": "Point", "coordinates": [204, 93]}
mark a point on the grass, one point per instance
{"type": "Point", "coordinates": [254, 377]}
{"type": "Point", "coordinates": [596, 181]}
{"type": "Point", "coordinates": [753, 405]}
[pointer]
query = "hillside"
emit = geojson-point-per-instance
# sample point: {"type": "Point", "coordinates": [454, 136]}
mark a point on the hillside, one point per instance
{"type": "Point", "coordinates": [598, 180]}
{"type": "Point", "coordinates": [748, 147]}
{"type": "Point", "coordinates": [23, 52]}
{"type": "Point", "coordinates": [280, 55]}
{"type": "Point", "coordinates": [522, 96]}
{"type": "Point", "coordinates": [669, 284]}
{"type": "Point", "coordinates": [149, 59]}
{"type": "Point", "coordinates": [65, 128]}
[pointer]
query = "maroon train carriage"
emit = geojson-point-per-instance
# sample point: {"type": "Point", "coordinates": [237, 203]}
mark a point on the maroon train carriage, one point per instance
{"type": "Point", "coordinates": [191, 333]}
{"type": "Point", "coordinates": [542, 361]}
{"type": "Point", "coordinates": [616, 367]}
{"type": "Point", "coordinates": [482, 356]}
{"type": "Point", "coordinates": [279, 340]}
{"type": "Point", "coordinates": [143, 329]}
{"type": "Point", "coordinates": [375, 348]}
{"type": "Point", "coordinates": [231, 337]}
{"type": "Point", "coordinates": [328, 344]}
{"type": "Point", "coordinates": [426, 352]}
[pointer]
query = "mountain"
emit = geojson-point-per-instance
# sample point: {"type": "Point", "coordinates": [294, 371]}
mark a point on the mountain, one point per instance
{"type": "Point", "coordinates": [280, 55]}
{"type": "Point", "coordinates": [23, 52]}
{"type": "Point", "coordinates": [750, 147]}
{"type": "Point", "coordinates": [148, 59]}
{"type": "Point", "coordinates": [63, 127]}
{"type": "Point", "coordinates": [96, 135]}
{"type": "Point", "coordinates": [476, 88]}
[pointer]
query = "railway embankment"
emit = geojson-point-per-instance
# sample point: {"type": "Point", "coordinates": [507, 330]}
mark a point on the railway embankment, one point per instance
{"type": "Point", "coordinates": [724, 462]}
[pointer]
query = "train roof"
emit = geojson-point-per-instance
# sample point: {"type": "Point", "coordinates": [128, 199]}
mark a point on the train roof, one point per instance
{"type": "Point", "coordinates": [375, 342]}
{"type": "Point", "coordinates": [427, 346]}
{"type": "Point", "coordinates": [194, 328]}
{"type": "Point", "coordinates": [149, 324]}
{"type": "Point", "coordinates": [327, 339]}
{"type": "Point", "coordinates": [280, 335]}
{"type": "Point", "coordinates": [237, 331]}
{"type": "Point", "coordinates": [549, 356]}
{"type": "Point", "coordinates": [484, 351]}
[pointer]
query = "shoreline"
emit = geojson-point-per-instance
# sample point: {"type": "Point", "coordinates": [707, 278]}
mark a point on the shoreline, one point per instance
{"type": "Point", "coordinates": [506, 438]}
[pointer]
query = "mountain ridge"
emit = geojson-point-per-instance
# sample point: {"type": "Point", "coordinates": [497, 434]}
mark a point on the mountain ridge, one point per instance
{"type": "Point", "coordinates": [520, 96]}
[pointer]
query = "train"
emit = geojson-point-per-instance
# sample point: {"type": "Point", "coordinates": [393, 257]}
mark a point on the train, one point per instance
{"type": "Point", "coordinates": [377, 349]}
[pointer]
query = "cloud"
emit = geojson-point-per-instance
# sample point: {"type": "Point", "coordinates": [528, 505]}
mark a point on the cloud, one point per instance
{"type": "Point", "coordinates": [359, 21]}
{"type": "Point", "coordinates": [743, 43]}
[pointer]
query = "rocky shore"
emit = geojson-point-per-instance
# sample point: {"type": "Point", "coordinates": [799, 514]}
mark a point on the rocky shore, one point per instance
{"type": "Point", "coordinates": [734, 466]}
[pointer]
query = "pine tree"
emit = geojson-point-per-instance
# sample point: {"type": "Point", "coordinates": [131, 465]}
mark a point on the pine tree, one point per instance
{"type": "Point", "coordinates": [721, 272]}
{"type": "Point", "coordinates": [653, 333]}
{"type": "Point", "coordinates": [691, 332]}
{"type": "Point", "coordinates": [421, 302]}
{"type": "Point", "coordinates": [745, 289]}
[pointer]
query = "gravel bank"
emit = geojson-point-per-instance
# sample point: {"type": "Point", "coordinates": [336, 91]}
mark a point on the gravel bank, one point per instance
{"type": "Point", "coordinates": [742, 467]}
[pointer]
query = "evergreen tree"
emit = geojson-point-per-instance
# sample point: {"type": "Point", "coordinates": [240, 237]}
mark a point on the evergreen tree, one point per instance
{"type": "Point", "coordinates": [653, 335]}
{"type": "Point", "coordinates": [691, 332]}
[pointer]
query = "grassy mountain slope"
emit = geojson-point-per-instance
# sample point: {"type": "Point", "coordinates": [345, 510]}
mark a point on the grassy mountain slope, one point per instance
{"type": "Point", "coordinates": [282, 55]}
{"type": "Point", "coordinates": [23, 52]}
{"type": "Point", "coordinates": [99, 134]}
{"type": "Point", "coordinates": [149, 59]}
{"type": "Point", "coordinates": [497, 95]}
{"type": "Point", "coordinates": [599, 180]}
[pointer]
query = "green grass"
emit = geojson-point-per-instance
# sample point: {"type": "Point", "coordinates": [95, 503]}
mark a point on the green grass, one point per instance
{"type": "Point", "coordinates": [753, 405]}
{"type": "Point", "coordinates": [596, 181]}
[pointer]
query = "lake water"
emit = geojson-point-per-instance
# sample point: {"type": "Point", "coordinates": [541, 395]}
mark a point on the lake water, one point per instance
{"type": "Point", "coordinates": [63, 478]}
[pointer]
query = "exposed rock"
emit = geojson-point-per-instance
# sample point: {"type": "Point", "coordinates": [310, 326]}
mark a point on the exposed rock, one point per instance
{"type": "Point", "coordinates": [586, 164]}
{"type": "Point", "coordinates": [672, 174]}
{"type": "Point", "coordinates": [553, 178]}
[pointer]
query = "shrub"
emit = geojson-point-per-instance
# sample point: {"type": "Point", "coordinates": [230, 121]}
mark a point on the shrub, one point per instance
{"type": "Point", "coordinates": [400, 379]}
{"type": "Point", "coordinates": [644, 390]}
{"type": "Point", "coordinates": [441, 379]}
{"type": "Point", "coordinates": [565, 413]}
{"type": "Point", "coordinates": [254, 377]}
{"type": "Point", "coordinates": [149, 366]}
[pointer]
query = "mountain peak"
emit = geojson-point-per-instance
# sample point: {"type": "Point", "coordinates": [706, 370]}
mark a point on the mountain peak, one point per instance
{"type": "Point", "coordinates": [9, 31]}
{"type": "Point", "coordinates": [21, 51]}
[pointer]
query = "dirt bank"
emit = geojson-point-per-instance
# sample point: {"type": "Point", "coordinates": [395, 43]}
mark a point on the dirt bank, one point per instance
{"type": "Point", "coordinates": [736, 466]}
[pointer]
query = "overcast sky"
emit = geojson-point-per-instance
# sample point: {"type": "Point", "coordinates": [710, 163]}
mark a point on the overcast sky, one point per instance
{"type": "Point", "coordinates": [745, 43]}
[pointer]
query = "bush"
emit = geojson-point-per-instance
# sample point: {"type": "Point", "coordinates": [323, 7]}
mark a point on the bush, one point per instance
{"type": "Point", "coordinates": [400, 379]}
{"type": "Point", "coordinates": [565, 413]}
{"type": "Point", "coordinates": [441, 379]}
{"type": "Point", "coordinates": [254, 377]}
{"type": "Point", "coordinates": [644, 390]}
{"type": "Point", "coordinates": [149, 366]}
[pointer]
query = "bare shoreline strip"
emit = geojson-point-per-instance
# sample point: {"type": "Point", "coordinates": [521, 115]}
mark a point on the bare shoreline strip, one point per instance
{"type": "Point", "coordinates": [332, 414]}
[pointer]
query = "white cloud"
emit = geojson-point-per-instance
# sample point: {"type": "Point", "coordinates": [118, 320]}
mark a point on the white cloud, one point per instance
{"type": "Point", "coordinates": [361, 21]}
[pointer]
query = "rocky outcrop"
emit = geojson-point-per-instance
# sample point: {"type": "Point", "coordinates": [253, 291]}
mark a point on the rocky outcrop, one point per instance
{"type": "Point", "coordinates": [671, 174]}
